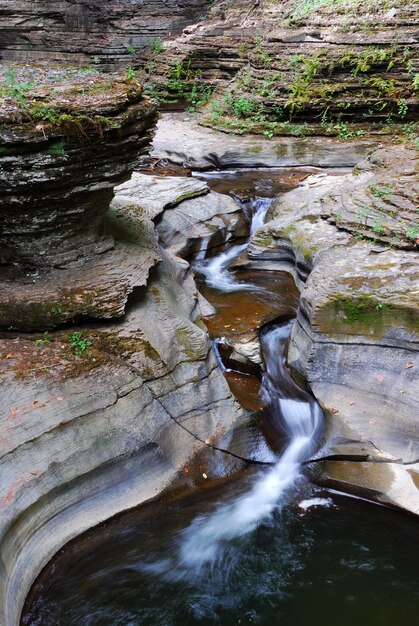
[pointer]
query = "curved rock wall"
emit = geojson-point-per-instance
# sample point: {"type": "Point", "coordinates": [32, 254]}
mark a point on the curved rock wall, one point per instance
{"type": "Point", "coordinates": [89, 431]}
{"type": "Point", "coordinates": [85, 31]}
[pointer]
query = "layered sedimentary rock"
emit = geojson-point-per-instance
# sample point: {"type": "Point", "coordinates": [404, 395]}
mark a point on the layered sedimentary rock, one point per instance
{"type": "Point", "coordinates": [84, 30]}
{"type": "Point", "coordinates": [275, 64]}
{"type": "Point", "coordinates": [63, 150]}
{"type": "Point", "coordinates": [182, 140]}
{"type": "Point", "coordinates": [99, 418]}
{"type": "Point", "coordinates": [356, 335]}
{"type": "Point", "coordinates": [207, 217]}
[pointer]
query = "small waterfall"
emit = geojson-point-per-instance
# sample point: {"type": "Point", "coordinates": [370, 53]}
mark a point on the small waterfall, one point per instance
{"type": "Point", "coordinates": [216, 270]}
{"type": "Point", "coordinates": [203, 542]}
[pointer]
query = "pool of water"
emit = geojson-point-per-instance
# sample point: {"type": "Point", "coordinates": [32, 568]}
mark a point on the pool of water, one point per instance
{"type": "Point", "coordinates": [348, 563]}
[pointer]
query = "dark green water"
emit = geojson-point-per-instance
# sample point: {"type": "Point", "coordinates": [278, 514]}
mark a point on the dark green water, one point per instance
{"type": "Point", "coordinates": [351, 564]}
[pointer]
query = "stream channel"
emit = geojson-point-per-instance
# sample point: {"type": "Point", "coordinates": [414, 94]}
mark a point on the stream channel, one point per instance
{"type": "Point", "coordinates": [264, 545]}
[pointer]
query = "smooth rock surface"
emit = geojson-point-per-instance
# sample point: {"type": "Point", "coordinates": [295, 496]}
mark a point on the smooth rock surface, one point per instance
{"type": "Point", "coordinates": [85, 436]}
{"type": "Point", "coordinates": [187, 214]}
{"type": "Point", "coordinates": [356, 335]}
{"type": "Point", "coordinates": [181, 140]}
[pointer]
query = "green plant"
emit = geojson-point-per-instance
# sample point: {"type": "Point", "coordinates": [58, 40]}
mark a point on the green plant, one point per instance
{"type": "Point", "coordinates": [412, 232]}
{"type": "Point", "coordinates": [131, 50]}
{"type": "Point", "coordinates": [130, 73]}
{"type": "Point", "coordinates": [378, 227]}
{"type": "Point", "coordinates": [379, 190]}
{"type": "Point", "coordinates": [410, 132]}
{"type": "Point", "coordinates": [157, 45]}
{"type": "Point", "coordinates": [271, 130]}
{"type": "Point", "coordinates": [343, 131]}
{"type": "Point", "coordinates": [78, 343]}
{"type": "Point", "coordinates": [13, 89]}
{"type": "Point", "coordinates": [265, 59]}
{"type": "Point", "coordinates": [57, 150]}
{"type": "Point", "coordinates": [242, 107]}
{"type": "Point", "coordinates": [45, 339]}
{"type": "Point", "coordinates": [402, 107]}
{"type": "Point", "coordinates": [302, 8]}
{"type": "Point", "coordinates": [242, 50]}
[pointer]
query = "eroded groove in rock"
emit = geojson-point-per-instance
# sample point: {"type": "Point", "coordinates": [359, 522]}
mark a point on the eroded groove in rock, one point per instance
{"type": "Point", "coordinates": [90, 414]}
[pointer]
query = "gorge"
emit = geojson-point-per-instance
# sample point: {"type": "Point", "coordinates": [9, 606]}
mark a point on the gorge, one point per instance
{"type": "Point", "coordinates": [208, 316]}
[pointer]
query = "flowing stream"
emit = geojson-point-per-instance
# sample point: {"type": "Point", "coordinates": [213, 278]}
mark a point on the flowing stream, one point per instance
{"type": "Point", "coordinates": [264, 547]}
{"type": "Point", "coordinates": [300, 417]}
{"type": "Point", "coordinates": [216, 269]}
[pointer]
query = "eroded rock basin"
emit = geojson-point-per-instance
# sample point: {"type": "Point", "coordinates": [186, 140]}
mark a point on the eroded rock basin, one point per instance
{"type": "Point", "coordinates": [328, 565]}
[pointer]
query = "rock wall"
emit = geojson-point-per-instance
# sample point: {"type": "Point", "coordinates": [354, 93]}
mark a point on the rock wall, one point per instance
{"type": "Point", "coordinates": [356, 336]}
{"type": "Point", "coordinates": [86, 31]}
{"type": "Point", "coordinates": [277, 64]}
{"type": "Point", "coordinates": [62, 152]}
{"type": "Point", "coordinates": [97, 418]}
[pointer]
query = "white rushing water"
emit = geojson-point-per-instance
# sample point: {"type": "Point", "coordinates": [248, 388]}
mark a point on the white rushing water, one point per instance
{"type": "Point", "coordinates": [300, 416]}
{"type": "Point", "coordinates": [216, 270]}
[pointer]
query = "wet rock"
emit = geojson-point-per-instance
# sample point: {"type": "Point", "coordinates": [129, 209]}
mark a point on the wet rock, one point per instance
{"type": "Point", "coordinates": [187, 214]}
{"type": "Point", "coordinates": [356, 335]}
{"type": "Point", "coordinates": [88, 432]}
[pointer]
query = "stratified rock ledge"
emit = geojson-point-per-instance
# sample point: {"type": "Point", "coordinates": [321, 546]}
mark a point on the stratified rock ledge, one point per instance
{"type": "Point", "coordinates": [356, 335]}
{"type": "Point", "coordinates": [62, 152]}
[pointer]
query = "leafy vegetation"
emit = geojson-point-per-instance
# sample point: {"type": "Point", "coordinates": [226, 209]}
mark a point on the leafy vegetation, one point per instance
{"type": "Point", "coordinates": [78, 343]}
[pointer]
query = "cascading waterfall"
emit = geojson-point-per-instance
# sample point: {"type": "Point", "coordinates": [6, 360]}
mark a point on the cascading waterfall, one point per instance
{"type": "Point", "coordinates": [300, 417]}
{"type": "Point", "coordinates": [216, 270]}
{"type": "Point", "coordinates": [289, 407]}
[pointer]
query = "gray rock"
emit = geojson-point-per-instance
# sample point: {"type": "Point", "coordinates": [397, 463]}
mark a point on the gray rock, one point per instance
{"type": "Point", "coordinates": [87, 436]}
{"type": "Point", "coordinates": [356, 335]}
{"type": "Point", "coordinates": [182, 141]}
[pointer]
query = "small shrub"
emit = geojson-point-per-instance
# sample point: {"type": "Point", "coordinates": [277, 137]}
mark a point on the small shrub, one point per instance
{"type": "Point", "coordinates": [157, 45]}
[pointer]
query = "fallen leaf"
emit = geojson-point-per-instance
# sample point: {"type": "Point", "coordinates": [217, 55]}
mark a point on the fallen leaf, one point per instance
{"type": "Point", "coordinates": [333, 411]}
{"type": "Point", "coordinates": [408, 365]}
{"type": "Point", "coordinates": [13, 412]}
